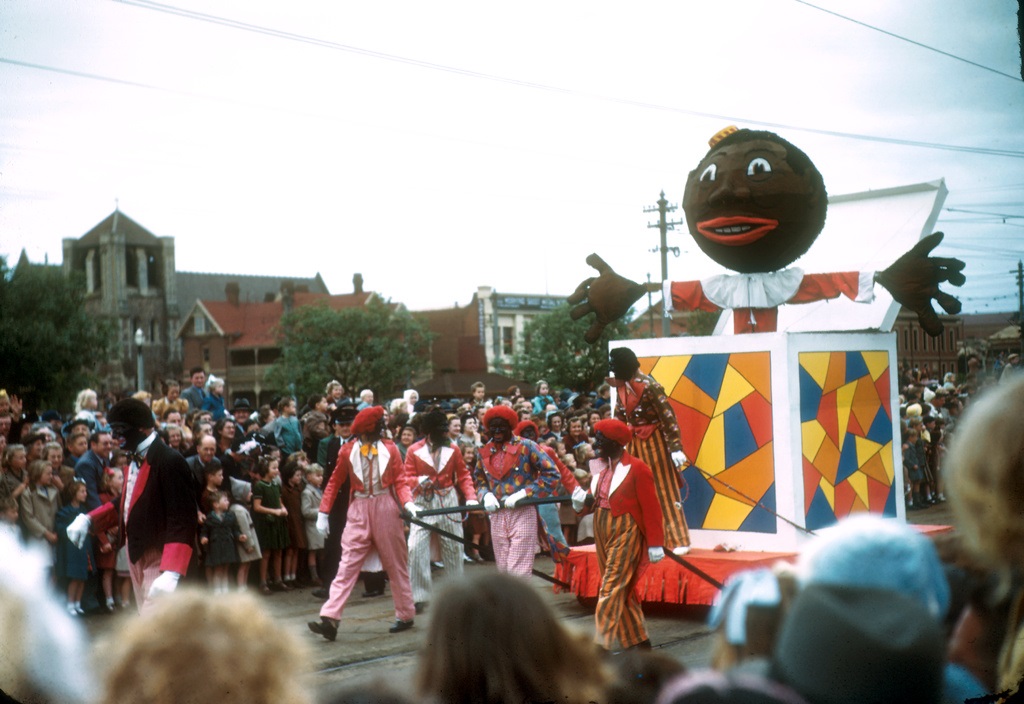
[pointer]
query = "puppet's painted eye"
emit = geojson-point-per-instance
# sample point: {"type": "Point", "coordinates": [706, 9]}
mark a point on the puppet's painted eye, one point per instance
{"type": "Point", "coordinates": [759, 167]}
{"type": "Point", "coordinates": [709, 173]}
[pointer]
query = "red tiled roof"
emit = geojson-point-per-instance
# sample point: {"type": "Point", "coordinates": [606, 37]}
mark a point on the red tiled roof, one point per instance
{"type": "Point", "coordinates": [255, 324]}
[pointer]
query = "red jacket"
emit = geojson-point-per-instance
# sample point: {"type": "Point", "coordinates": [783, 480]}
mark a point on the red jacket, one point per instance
{"type": "Point", "coordinates": [636, 496]}
{"type": "Point", "coordinates": [419, 462]}
{"type": "Point", "coordinates": [392, 473]}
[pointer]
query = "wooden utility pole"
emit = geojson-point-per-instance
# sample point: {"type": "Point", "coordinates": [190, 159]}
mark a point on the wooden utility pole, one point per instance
{"type": "Point", "coordinates": [664, 225]}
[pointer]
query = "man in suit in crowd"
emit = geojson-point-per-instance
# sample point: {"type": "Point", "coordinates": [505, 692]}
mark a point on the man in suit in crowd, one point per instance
{"type": "Point", "coordinates": [90, 466]}
{"type": "Point", "coordinates": [195, 395]}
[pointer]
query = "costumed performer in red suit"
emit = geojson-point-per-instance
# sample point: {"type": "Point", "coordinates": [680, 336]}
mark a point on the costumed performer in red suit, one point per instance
{"type": "Point", "coordinates": [379, 490]}
{"type": "Point", "coordinates": [642, 404]}
{"type": "Point", "coordinates": [628, 535]}
{"type": "Point", "coordinates": [510, 469]}
{"type": "Point", "coordinates": [436, 474]}
{"type": "Point", "coordinates": [157, 507]}
{"type": "Point", "coordinates": [755, 204]}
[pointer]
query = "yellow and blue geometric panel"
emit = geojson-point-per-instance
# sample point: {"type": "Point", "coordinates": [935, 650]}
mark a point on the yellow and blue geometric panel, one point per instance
{"type": "Point", "coordinates": [846, 435]}
{"type": "Point", "coordinates": [723, 403]}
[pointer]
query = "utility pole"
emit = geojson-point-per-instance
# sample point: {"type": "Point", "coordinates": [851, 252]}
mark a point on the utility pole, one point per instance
{"type": "Point", "coordinates": [650, 306]}
{"type": "Point", "coordinates": [1020, 305]}
{"type": "Point", "coordinates": [664, 225]}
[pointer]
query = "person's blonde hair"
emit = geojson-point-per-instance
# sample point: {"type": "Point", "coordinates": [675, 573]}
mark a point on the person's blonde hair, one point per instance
{"type": "Point", "coordinates": [493, 639]}
{"type": "Point", "coordinates": [986, 474]}
{"type": "Point", "coordinates": [192, 648]}
{"type": "Point", "coordinates": [83, 396]}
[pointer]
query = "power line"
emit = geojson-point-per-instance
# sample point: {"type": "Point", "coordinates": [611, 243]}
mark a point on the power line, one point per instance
{"type": "Point", "coordinates": [886, 32]}
{"type": "Point", "coordinates": [337, 46]}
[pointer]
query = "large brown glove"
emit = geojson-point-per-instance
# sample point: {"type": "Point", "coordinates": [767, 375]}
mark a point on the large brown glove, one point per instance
{"type": "Point", "coordinates": [913, 280]}
{"type": "Point", "coordinates": [609, 295]}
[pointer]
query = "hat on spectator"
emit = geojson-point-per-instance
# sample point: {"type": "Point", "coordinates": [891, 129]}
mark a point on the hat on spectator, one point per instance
{"type": "Point", "coordinates": [712, 687]}
{"type": "Point", "coordinates": [367, 419]}
{"type": "Point", "coordinates": [241, 404]}
{"type": "Point", "coordinates": [867, 550]}
{"type": "Point", "coordinates": [849, 645]}
{"type": "Point", "coordinates": [758, 587]}
{"type": "Point", "coordinates": [914, 410]}
{"type": "Point", "coordinates": [50, 416]}
{"type": "Point", "coordinates": [614, 429]}
{"type": "Point", "coordinates": [503, 412]}
{"type": "Point", "coordinates": [344, 413]}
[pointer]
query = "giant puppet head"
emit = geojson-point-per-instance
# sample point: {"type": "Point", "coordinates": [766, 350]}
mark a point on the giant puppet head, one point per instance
{"type": "Point", "coordinates": [755, 202]}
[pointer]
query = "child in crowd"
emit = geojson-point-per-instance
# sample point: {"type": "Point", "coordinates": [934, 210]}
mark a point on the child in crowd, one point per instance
{"type": "Point", "coordinates": [73, 563]}
{"type": "Point", "coordinates": [292, 482]}
{"type": "Point", "coordinates": [220, 534]}
{"type": "Point", "coordinates": [475, 525]}
{"type": "Point", "coordinates": [311, 496]}
{"type": "Point", "coordinates": [53, 453]}
{"type": "Point", "coordinates": [249, 549]}
{"type": "Point", "coordinates": [214, 475]}
{"type": "Point", "coordinates": [9, 516]}
{"type": "Point", "coordinates": [106, 559]}
{"type": "Point", "coordinates": [913, 465]}
{"type": "Point", "coordinates": [271, 529]}
{"type": "Point", "coordinates": [39, 505]}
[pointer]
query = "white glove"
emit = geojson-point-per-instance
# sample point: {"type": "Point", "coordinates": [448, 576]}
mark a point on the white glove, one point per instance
{"type": "Point", "coordinates": [655, 554]}
{"type": "Point", "coordinates": [472, 502]}
{"type": "Point", "coordinates": [166, 583]}
{"type": "Point", "coordinates": [323, 524]}
{"type": "Point", "coordinates": [678, 458]}
{"type": "Point", "coordinates": [511, 501]}
{"type": "Point", "coordinates": [412, 508]}
{"type": "Point", "coordinates": [78, 531]}
{"type": "Point", "coordinates": [579, 499]}
{"type": "Point", "coordinates": [491, 502]}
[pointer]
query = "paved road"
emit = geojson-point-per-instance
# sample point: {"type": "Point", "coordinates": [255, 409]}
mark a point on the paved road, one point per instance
{"type": "Point", "coordinates": [364, 650]}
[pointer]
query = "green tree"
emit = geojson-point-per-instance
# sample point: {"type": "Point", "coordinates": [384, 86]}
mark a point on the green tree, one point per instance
{"type": "Point", "coordinates": [554, 350]}
{"type": "Point", "coordinates": [47, 340]}
{"type": "Point", "coordinates": [374, 346]}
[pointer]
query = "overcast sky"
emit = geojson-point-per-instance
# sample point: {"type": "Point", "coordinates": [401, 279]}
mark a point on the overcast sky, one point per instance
{"type": "Point", "coordinates": [437, 147]}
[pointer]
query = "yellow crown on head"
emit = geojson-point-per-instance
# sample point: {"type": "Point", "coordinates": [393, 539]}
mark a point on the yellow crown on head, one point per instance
{"type": "Point", "coordinates": [722, 134]}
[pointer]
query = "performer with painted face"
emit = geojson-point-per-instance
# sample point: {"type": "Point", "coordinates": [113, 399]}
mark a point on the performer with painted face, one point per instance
{"type": "Point", "coordinates": [511, 469]}
{"type": "Point", "coordinates": [379, 490]}
{"type": "Point", "coordinates": [627, 532]}
{"type": "Point", "coordinates": [437, 475]}
{"type": "Point", "coordinates": [655, 440]}
{"type": "Point", "coordinates": [157, 506]}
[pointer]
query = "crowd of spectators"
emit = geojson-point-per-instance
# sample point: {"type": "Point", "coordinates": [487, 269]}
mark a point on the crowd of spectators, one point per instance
{"type": "Point", "coordinates": [872, 611]}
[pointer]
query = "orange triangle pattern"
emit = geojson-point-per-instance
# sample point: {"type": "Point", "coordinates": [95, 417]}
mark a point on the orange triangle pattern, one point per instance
{"type": "Point", "coordinates": [865, 403]}
{"type": "Point", "coordinates": [836, 375]}
{"type": "Point", "coordinates": [874, 468]}
{"type": "Point", "coordinates": [756, 368]}
{"type": "Point", "coordinates": [647, 364]}
{"type": "Point", "coordinates": [692, 427]}
{"type": "Point", "coordinates": [752, 476]}
{"type": "Point", "coordinates": [686, 393]}
{"type": "Point", "coordinates": [827, 460]}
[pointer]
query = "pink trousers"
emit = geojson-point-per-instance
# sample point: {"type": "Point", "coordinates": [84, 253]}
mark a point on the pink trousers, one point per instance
{"type": "Point", "coordinates": [372, 522]}
{"type": "Point", "coordinates": [514, 538]}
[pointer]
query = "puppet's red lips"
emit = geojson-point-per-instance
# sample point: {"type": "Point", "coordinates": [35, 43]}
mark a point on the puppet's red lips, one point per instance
{"type": "Point", "coordinates": [736, 230]}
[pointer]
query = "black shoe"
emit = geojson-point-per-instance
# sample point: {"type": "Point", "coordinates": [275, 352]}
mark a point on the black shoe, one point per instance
{"type": "Point", "coordinates": [375, 592]}
{"type": "Point", "coordinates": [321, 593]}
{"type": "Point", "coordinates": [400, 626]}
{"type": "Point", "coordinates": [642, 645]}
{"type": "Point", "coordinates": [325, 628]}
{"type": "Point", "coordinates": [421, 606]}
